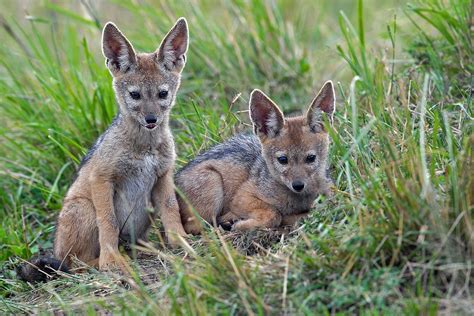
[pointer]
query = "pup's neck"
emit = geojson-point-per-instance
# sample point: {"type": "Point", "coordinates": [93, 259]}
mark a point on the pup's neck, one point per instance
{"type": "Point", "coordinates": [141, 138]}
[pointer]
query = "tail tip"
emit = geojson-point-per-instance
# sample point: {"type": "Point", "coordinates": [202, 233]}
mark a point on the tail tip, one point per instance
{"type": "Point", "coordinates": [41, 269]}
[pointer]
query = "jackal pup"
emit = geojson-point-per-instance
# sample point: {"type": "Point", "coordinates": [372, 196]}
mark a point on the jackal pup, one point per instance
{"type": "Point", "coordinates": [266, 180]}
{"type": "Point", "coordinates": [131, 165]}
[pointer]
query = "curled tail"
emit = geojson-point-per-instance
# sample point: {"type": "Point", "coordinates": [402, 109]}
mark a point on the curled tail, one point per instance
{"type": "Point", "coordinates": [41, 269]}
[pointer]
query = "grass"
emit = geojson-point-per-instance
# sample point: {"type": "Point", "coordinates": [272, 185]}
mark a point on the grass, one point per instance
{"type": "Point", "coordinates": [396, 236]}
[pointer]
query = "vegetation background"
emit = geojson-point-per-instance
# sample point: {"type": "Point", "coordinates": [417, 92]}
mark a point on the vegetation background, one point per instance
{"type": "Point", "coordinates": [396, 237]}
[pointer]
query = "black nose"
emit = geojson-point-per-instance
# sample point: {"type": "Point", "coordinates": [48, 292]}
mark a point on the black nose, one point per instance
{"type": "Point", "coordinates": [150, 119]}
{"type": "Point", "coordinates": [297, 185]}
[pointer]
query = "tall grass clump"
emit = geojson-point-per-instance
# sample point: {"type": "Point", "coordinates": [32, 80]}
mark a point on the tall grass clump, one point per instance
{"type": "Point", "coordinates": [407, 190]}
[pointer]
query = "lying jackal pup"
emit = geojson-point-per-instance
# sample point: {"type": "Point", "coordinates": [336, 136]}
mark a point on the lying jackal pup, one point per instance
{"type": "Point", "coordinates": [132, 163]}
{"type": "Point", "coordinates": [266, 180]}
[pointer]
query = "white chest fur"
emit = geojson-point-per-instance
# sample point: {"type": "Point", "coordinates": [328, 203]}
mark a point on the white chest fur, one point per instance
{"type": "Point", "coordinates": [132, 196]}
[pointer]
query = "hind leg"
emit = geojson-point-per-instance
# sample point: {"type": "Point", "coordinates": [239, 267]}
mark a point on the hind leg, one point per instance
{"type": "Point", "coordinates": [76, 232]}
{"type": "Point", "coordinates": [205, 195]}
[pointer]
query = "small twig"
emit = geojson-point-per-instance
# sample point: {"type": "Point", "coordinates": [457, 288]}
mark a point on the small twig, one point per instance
{"type": "Point", "coordinates": [23, 223]}
{"type": "Point", "coordinates": [285, 285]}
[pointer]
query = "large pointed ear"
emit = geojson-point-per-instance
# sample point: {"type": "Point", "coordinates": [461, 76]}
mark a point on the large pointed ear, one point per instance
{"type": "Point", "coordinates": [325, 102]}
{"type": "Point", "coordinates": [266, 117]}
{"type": "Point", "coordinates": [119, 53]}
{"type": "Point", "coordinates": [172, 51]}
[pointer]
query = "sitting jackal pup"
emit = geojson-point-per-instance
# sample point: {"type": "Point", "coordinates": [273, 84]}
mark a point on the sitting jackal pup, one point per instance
{"type": "Point", "coordinates": [132, 163]}
{"type": "Point", "coordinates": [266, 180]}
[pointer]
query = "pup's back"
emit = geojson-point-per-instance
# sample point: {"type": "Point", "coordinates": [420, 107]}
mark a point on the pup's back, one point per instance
{"type": "Point", "coordinates": [242, 149]}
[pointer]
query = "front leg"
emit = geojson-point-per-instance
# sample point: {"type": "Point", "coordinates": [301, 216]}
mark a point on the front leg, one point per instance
{"type": "Point", "coordinates": [255, 212]}
{"type": "Point", "coordinates": [102, 190]}
{"type": "Point", "coordinates": [164, 201]}
{"type": "Point", "coordinates": [261, 218]}
{"type": "Point", "coordinates": [292, 219]}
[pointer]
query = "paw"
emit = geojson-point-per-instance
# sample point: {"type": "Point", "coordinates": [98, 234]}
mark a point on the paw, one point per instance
{"type": "Point", "coordinates": [252, 224]}
{"type": "Point", "coordinates": [228, 225]}
{"type": "Point", "coordinates": [241, 226]}
{"type": "Point", "coordinates": [110, 261]}
{"type": "Point", "coordinates": [174, 239]}
{"type": "Point", "coordinates": [193, 227]}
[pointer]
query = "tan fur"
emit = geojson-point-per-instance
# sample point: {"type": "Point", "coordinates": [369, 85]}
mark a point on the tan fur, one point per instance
{"type": "Point", "coordinates": [241, 180]}
{"type": "Point", "coordinates": [127, 178]}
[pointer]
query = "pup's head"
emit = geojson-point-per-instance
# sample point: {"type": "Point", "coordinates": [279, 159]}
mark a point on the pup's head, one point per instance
{"type": "Point", "coordinates": [145, 84]}
{"type": "Point", "coordinates": [295, 149]}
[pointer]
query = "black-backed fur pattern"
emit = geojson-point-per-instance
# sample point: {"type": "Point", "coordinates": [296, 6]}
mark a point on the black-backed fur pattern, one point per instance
{"type": "Point", "coordinates": [245, 148]}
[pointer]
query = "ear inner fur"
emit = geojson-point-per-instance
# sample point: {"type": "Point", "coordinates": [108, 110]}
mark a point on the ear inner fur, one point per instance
{"type": "Point", "coordinates": [324, 102]}
{"type": "Point", "coordinates": [267, 118]}
{"type": "Point", "coordinates": [117, 50]}
{"type": "Point", "coordinates": [172, 50]}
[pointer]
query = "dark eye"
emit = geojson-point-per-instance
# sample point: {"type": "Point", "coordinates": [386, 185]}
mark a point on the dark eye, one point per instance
{"type": "Point", "coordinates": [163, 94]}
{"type": "Point", "coordinates": [310, 158]}
{"type": "Point", "coordinates": [283, 160]}
{"type": "Point", "coordinates": [135, 95]}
